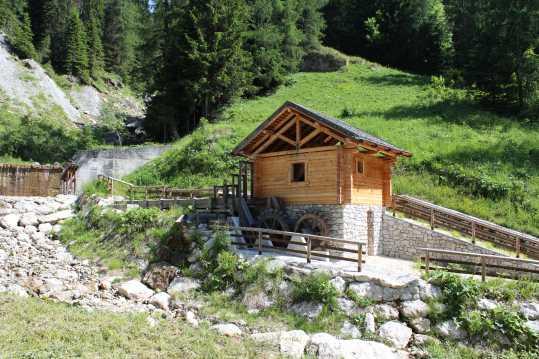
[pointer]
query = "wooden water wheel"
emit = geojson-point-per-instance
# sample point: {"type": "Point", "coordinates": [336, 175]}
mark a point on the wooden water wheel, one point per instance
{"type": "Point", "coordinates": [312, 223]}
{"type": "Point", "coordinates": [278, 220]}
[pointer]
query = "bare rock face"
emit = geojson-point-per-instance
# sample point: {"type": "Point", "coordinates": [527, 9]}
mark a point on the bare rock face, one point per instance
{"type": "Point", "coordinates": [159, 275]}
{"type": "Point", "coordinates": [135, 290]}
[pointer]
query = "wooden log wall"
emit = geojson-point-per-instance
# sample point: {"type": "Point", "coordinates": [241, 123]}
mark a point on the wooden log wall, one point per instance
{"type": "Point", "coordinates": [30, 180]}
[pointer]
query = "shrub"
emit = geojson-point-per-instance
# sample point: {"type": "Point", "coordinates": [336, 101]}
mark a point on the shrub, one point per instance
{"type": "Point", "coordinates": [458, 293]}
{"type": "Point", "coordinates": [224, 274]}
{"type": "Point", "coordinates": [360, 301]}
{"type": "Point", "coordinates": [487, 324]}
{"type": "Point", "coordinates": [315, 287]}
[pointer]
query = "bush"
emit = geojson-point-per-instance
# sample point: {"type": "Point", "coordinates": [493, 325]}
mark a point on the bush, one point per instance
{"type": "Point", "coordinates": [360, 301]}
{"type": "Point", "coordinates": [488, 325]}
{"type": "Point", "coordinates": [458, 293]}
{"type": "Point", "coordinates": [315, 287]}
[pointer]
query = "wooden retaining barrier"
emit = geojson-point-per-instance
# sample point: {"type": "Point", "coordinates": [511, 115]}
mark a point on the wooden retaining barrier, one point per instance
{"type": "Point", "coordinates": [255, 237]}
{"type": "Point", "coordinates": [474, 227]}
{"type": "Point", "coordinates": [484, 264]}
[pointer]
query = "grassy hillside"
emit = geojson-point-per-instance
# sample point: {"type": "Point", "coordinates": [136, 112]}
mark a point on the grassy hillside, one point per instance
{"type": "Point", "coordinates": [464, 158]}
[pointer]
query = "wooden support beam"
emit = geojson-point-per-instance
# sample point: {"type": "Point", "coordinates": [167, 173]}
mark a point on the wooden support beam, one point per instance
{"type": "Point", "coordinates": [309, 137]}
{"type": "Point", "coordinates": [274, 137]}
{"type": "Point", "coordinates": [286, 139]}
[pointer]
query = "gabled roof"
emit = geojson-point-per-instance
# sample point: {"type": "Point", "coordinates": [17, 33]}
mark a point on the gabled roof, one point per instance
{"type": "Point", "coordinates": [340, 127]}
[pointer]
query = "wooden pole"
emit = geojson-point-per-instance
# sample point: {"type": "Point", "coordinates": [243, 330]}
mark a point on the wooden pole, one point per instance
{"type": "Point", "coordinates": [259, 243]}
{"type": "Point", "coordinates": [359, 256]}
{"type": "Point", "coordinates": [370, 232]}
{"type": "Point", "coordinates": [432, 218]}
{"type": "Point", "coordinates": [517, 246]}
{"type": "Point", "coordinates": [427, 262]}
{"type": "Point", "coordinates": [308, 249]}
{"type": "Point", "coordinates": [473, 232]}
{"type": "Point", "coordinates": [225, 195]}
{"type": "Point", "coordinates": [483, 269]}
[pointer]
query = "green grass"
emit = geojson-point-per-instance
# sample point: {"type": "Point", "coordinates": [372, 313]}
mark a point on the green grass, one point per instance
{"type": "Point", "coordinates": [464, 158]}
{"type": "Point", "coordinates": [32, 328]}
{"type": "Point", "coordinates": [118, 240]}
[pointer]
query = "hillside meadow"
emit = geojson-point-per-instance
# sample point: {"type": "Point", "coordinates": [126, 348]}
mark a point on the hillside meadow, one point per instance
{"type": "Point", "coordinates": [464, 157]}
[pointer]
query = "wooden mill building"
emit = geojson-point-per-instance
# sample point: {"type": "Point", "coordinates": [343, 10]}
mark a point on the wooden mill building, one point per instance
{"type": "Point", "coordinates": [322, 166]}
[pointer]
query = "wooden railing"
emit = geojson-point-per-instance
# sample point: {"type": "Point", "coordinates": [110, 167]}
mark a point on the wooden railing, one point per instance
{"type": "Point", "coordinates": [152, 192]}
{"type": "Point", "coordinates": [483, 264]}
{"type": "Point", "coordinates": [255, 237]}
{"type": "Point", "coordinates": [471, 226]}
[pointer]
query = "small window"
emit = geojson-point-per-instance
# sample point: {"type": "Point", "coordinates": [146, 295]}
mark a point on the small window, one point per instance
{"type": "Point", "coordinates": [298, 172]}
{"type": "Point", "coordinates": [360, 167]}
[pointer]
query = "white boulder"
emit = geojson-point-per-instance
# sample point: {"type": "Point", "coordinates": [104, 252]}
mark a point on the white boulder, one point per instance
{"type": "Point", "coordinates": [10, 221]}
{"type": "Point", "coordinates": [309, 310]}
{"type": "Point", "coordinates": [292, 344]}
{"type": "Point", "coordinates": [414, 309]}
{"type": "Point", "coordinates": [530, 310]}
{"type": "Point", "coordinates": [385, 312]}
{"type": "Point", "coordinates": [182, 285]}
{"type": "Point", "coordinates": [450, 329]}
{"type": "Point", "coordinates": [396, 332]}
{"type": "Point", "coordinates": [45, 228]}
{"type": "Point", "coordinates": [228, 330]}
{"type": "Point", "coordinates": [56, 217]}
{"type": "Point", "coordinates": [28, 219]}
{"type": "Point", "coordinates": [350, 330]}
{"type": "Point", "coordinates": [135, 290]}
{"type": "Point", "coordinates": [486, 304]}
{"type": "Point", "coordinates": [370, 323]}
{"type": "Point", "coordinates": [161, 300]}
{"type": "Point", "coordinates": [339, 284]}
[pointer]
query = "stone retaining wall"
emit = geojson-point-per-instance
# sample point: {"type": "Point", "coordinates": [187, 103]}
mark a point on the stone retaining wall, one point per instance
{"type": "Point", "coordinates": [116, 162]}
{"type": "Point", "coordinates": [402, 239]}
{"type": "Point", "coordinates": [348, 222]}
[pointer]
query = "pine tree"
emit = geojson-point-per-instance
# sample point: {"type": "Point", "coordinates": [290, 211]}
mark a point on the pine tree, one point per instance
{"type": "Point", "coordinates": [95, 47]}
{"type": "Point", "coordinates": [121, 36]}
{"type": "Point", "coordinates": [76, 47]}
{"type": "Point", "coordinates": [15, 22]}
{"type": "Point", "coordinates": [204, 67]}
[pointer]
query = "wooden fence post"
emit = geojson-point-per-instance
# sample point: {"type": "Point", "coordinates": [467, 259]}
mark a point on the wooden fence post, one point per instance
{"type": "Point", "coordinates": [483, 269]}
{"type": "Point", "coordinates": [427, 262]}
{"type": "Point", "coordinates": [517, 246]}
{"type": "Point", "coordinates": [308, 249]}
{"type": "Point", "coordinates": [225, 195]}
{"type": "Point", "coordinates": [473, 232]}
{"type": "Point", "coordinates": [359, 256]}
{"type": "Point", "coordinates": [370, 232]}
{"type": "Point", "coordinates": [432, 218]}
{"type": "Point", "coordinates": [259, 243]}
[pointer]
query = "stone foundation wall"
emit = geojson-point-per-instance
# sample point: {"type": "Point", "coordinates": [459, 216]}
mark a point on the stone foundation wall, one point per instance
{"type": "Point", "coordinates": [402, 239]}
{"type": "Point", "coordinates": [348, 222]}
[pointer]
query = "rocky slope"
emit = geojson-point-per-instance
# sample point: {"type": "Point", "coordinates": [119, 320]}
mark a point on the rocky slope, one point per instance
{"type": "Point", "coordinates": [30, 89]}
